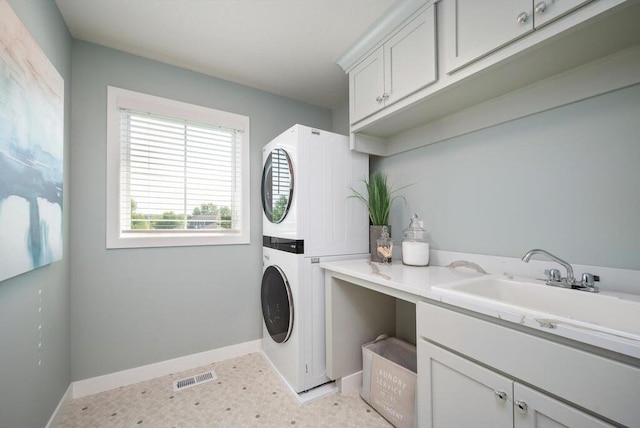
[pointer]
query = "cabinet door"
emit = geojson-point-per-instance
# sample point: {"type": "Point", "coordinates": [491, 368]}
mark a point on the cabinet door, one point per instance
{"type": "Point", "coordinates": [366, 86]}
{"type": "Point", "coordinates": [475, 28]}
{"type": "Point", "coordinates": [546, 11]}
{"type": "Point", "coordinates": [410, 57]}
{"type": "Point", "coordinates": [454, 392]}
{"type": "Point", "coordinates": [536, 410]}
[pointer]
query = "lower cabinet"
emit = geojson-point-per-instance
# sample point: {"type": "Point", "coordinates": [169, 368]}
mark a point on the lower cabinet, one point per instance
{"type": "Point", "coordinates": [455, 392]}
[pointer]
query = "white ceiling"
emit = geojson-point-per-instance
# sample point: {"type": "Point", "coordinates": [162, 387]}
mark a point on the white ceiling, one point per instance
{"type": "Point", "coordinates": [287, 47]}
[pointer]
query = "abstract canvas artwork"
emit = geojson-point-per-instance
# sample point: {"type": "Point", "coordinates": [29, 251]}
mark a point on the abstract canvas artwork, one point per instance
{"type": "Point", "coordinates": [31, 151]}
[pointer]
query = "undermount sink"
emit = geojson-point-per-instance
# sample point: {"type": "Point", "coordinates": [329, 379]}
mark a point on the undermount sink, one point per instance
{"type": "Point", "coordinates": [604, 312]}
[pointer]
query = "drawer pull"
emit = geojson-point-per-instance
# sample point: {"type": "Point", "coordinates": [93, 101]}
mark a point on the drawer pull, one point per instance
{"type": "Point", "coordinates": [522, 18]}
{"type": "Point", "coordinates": [501, 395]}
{"type": "Point", "coordinates": [521, 406]}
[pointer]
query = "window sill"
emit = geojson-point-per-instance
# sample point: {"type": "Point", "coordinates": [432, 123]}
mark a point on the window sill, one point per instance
{"type": "Point", "coordinates": [176, 240]}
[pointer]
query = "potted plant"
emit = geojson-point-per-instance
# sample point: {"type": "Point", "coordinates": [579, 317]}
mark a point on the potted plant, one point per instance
{"type": "Point", "coordinates": [378, 200]}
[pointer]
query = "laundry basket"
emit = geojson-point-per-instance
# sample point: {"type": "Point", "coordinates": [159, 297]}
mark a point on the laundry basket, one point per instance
{"type": "Point", "coordinates": [389, 367]}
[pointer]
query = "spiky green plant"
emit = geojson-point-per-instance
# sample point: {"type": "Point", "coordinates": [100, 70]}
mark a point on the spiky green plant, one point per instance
{"type": "Point", "coordinates": [378, 199]}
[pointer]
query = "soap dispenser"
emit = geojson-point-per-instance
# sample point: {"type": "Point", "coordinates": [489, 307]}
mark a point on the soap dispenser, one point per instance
{"type": "Point", "coordinates": [415, 248]}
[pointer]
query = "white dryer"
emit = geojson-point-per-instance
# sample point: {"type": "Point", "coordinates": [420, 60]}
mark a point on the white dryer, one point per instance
{"type": "Point", "coordinates": [293, 307]}
{"type": "Point", "coordinates": [308, 216]}
{"type": "Point", "coordinates": [305, 192]}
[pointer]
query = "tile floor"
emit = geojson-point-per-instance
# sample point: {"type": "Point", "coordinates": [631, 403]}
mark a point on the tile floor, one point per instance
{"type": "Point", "coordinates": [246, 393]}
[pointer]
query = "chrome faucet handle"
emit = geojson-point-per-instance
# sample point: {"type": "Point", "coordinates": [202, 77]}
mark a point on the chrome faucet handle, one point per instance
{"type": "Point", "coordinates": [553, 275]}
{"type": "Point", "coordinates": [588, 283]}
{"type": "Point", "coordinates": [587, 280]}
{"type": "Point", "coordinates": [555, 278]}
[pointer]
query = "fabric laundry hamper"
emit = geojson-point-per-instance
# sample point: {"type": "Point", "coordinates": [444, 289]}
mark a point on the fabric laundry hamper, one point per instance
{"type": "Point", "coordinates": [389, 367]}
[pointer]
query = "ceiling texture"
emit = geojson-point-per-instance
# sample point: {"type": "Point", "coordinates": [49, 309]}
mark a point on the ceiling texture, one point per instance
{"type": "Point", "coordinates": [287, 47]}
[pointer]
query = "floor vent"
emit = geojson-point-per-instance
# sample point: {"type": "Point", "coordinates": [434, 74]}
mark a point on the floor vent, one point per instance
{"type": "Point", "coordinates": [198, 379]}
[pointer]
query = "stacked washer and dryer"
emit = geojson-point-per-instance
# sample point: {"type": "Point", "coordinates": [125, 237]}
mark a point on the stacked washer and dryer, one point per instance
{"type": "Point", "coordinates": [308, 218]}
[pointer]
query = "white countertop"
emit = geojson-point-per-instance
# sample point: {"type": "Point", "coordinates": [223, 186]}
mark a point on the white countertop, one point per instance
{"type": "Point", "coordinates": [409, 279]}
{"type": "Point", "coordinates": [421, 283]}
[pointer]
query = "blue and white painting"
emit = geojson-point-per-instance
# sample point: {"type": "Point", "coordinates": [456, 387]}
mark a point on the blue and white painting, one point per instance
{"type": "Point", "coordinates": [31, 151]}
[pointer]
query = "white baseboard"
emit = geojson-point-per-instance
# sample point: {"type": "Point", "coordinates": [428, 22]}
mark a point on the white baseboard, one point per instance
{"type": "Point", "coordinates": [350, 383]}
{"type": "Point", "coordinates": [102, 383]}
{"type": "Point", "coordinates": [56, 416]}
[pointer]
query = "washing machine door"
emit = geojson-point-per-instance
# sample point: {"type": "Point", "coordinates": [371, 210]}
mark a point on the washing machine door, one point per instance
{"type": "Point", "coordinates": [277, 304]}
{"type": "Point", "coordinates": [277, 185]}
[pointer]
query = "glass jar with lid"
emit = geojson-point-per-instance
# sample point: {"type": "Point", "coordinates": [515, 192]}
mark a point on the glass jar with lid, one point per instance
{"type": "Point", "coordinates": [415, 248]}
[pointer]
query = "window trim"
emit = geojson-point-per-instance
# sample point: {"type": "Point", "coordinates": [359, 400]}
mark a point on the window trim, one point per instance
{"type": "Point", "coordinates": [122, 98]}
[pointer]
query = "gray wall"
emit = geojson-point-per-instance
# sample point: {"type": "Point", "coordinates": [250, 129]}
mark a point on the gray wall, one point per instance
{"type": "Point", "coordinates": [565, 180]}
{"type": "Point", "coordinates": [30, 392]}
{"type": "Point", "coordinates": [133, 307]}
{"type": "Point", "coordinates": [340, 118]}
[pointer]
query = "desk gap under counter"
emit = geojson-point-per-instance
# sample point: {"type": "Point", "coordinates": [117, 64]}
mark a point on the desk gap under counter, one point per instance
{"type": "Point", "coordinates": [365, 299]}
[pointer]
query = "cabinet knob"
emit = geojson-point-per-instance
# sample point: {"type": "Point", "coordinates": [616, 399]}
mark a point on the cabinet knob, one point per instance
{"type": "Point", "coordinates": [522, 18]}
{"type": "Point", "coordinates": [385, 96]}
{"type": "Point", "coordinates": [541, 7]}
{"type": "Point", "coordinates": [501, 395]}
{"type": "Point", "coordinates": [521, 406]}
{"type": "Point", "coordinates": [379, 100]}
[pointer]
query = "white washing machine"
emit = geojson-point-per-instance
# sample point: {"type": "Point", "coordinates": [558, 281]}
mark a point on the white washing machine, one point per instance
{"type": "Point", "coordinates": [308, 217]}
{"type": "Point", "coordinates": [305, 192]}
{"type": "Point", "coordinates": [293, 307]}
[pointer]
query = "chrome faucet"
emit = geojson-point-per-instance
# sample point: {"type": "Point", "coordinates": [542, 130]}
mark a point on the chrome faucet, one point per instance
{"type": "Point", "coordinates": [555, 278]}
{"type": "Point", "coordinates": [553, 274]}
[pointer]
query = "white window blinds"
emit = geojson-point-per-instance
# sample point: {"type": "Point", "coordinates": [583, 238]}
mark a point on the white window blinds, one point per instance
{"type": "Point", "coordinates": [178, 176]}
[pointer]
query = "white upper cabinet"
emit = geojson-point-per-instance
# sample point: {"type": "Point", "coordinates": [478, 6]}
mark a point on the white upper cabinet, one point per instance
{"type": "Point", "coordinates": [545, 11]}
{"type": "Point", "coordinates": [366, 86]}
{"type": "Point", "coordinates": [473, 28]}
{"type": "Point", "coordinates": [444, 68]}
{"type": "Point", "coordinates": [411, 57]}
{"type": "Point", "coordinates": [405, 63]}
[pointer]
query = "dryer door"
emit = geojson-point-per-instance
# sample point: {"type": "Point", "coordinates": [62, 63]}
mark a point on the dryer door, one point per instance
{"type": "Point", "coordinates": [277, 185]}
{"type": "Point", "coordinates": [277, 304]}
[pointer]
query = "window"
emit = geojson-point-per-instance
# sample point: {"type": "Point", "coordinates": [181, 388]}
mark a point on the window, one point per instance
{"type": "Point", "coordinates": [177, 174]}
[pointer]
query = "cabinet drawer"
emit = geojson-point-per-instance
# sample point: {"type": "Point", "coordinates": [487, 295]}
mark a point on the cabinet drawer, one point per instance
{"type": "Point", "coordinates": [604, 386]}
{"type": "Point", "coordinates": [544, 411]}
